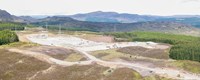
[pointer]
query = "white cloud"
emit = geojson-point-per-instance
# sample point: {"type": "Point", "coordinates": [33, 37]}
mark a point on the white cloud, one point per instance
{"type": "Point", "coordinates": [52, 7]}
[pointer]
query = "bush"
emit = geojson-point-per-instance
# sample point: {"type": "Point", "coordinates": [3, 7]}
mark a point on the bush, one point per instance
{"type": "Point", "coordinates": [8, 37]}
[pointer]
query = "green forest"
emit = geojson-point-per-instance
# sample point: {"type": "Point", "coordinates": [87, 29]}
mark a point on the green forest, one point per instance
{"type": "Point", "coordinates": [51, 27]}
{"type": "Point", "coordinates": [184, 47]}
{"type": "Point", "coordinates": [7, 36]}
{"type": "Point", "coordinates": [11, 26]}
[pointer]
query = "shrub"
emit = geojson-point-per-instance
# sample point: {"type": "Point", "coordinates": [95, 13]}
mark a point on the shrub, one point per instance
{"type": "Point", "coordinates": [8, 37]}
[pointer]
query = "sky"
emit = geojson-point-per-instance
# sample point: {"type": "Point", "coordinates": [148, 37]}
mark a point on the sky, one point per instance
{"type": "Point", "coordinates": [69, 7]}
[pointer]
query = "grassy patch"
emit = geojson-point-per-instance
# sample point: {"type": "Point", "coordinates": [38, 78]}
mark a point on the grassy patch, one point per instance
{"type": "Point", "coordinates": [124, 74]}
{"type": "Point", "coordinates": [74, 32]}
{"type": "Point", "coordinates": [130, 55]}
{"type": "Point", "coordinates": [155, 77]}
{"type": "Point", "coordinates": [108, 54]}
{"type": "Point", "coordinates": [89, 72]}
{"type": "Point", "coordinates": [190, 66]}
{"type": "Point", "coordinates": [75, 57]}
{"type": "Point", "coordinates": [19, 45]}
{"type": "Point", "coordinates": [145, 52]}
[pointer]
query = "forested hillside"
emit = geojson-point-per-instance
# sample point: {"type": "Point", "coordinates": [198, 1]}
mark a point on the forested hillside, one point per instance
{"type": "Point", "coordinates": [7, 17]}
{"type": "Point", "coordinates": [71, 24]}
{"type": "Point", "coordinates": [194, 21]}
{"type": "Point", "coordinates": [184, 47]}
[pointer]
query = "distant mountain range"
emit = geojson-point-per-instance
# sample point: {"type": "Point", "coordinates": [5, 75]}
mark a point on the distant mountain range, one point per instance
{"type": "Point", "coordinates": [28, 19]}
{"type": "Point", "coordinates": [111, 17]}
{"type": "Point", "coordinates": [111, 21]}
{"type": "Point", "coordinates": [194, 21]}
{"type": "Point", "coordinates": [100, 16]}
{"type": "Point", "coordinates": [69, 23]}
{"type": "Point", "coordinates": [7, 17]}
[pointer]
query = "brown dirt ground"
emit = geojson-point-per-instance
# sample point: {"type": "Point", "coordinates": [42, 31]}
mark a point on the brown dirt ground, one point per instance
{"type": "Point", "coordinates": [98, 38]}
{"type": "Point", "coordinates": [90, 72]}
{"type": "Point", "coordinates": [145, 52]}
{"type": "Point", "coordinates": [55, 52]}
{"type": "Point", "coordinates": [22, 37]}
{"type": "Point", "coordinates": [147, 62]}
{"type": "Point", "coordinates": [14, 66]}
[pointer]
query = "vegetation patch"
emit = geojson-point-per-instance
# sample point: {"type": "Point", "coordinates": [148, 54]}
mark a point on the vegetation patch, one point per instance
{"type": "Point", "coordinates": [124, 74]}
{"type": "Point", "coordinates": [187, 65]}
{"type": "Point", "coordinates": [89, 72]}
{"type": "Point", "coordinates": [19, 45]}
{"type": "Point", "coordinates": [108, 54]}
{"type": "Point", "coordinates": [145, 52]}
{"type": "Point", "coordinates": [155, 77]}
{"type": "Point", "coordinates": [75, 57]}
{"type": "Point", "coordinates": [15, 66]}
{"type": "Point", "coordinates": [11, 26]}
{"type": "Point", "coordinates": [184, 47]}
{"type": "Point", "coordinates": [55, 52]}
{"type": "Point", "coordinates": [8, 37]}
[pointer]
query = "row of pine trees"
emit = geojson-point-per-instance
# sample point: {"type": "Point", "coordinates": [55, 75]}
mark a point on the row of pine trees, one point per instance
{"type": "Point", "coordinates": [11, 26]}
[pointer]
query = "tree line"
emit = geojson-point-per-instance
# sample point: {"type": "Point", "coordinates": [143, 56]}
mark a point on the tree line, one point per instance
{"type": "Point", "coordinates": [184, 47]}
{"type": "Point", "coordinates": [11, 26]}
